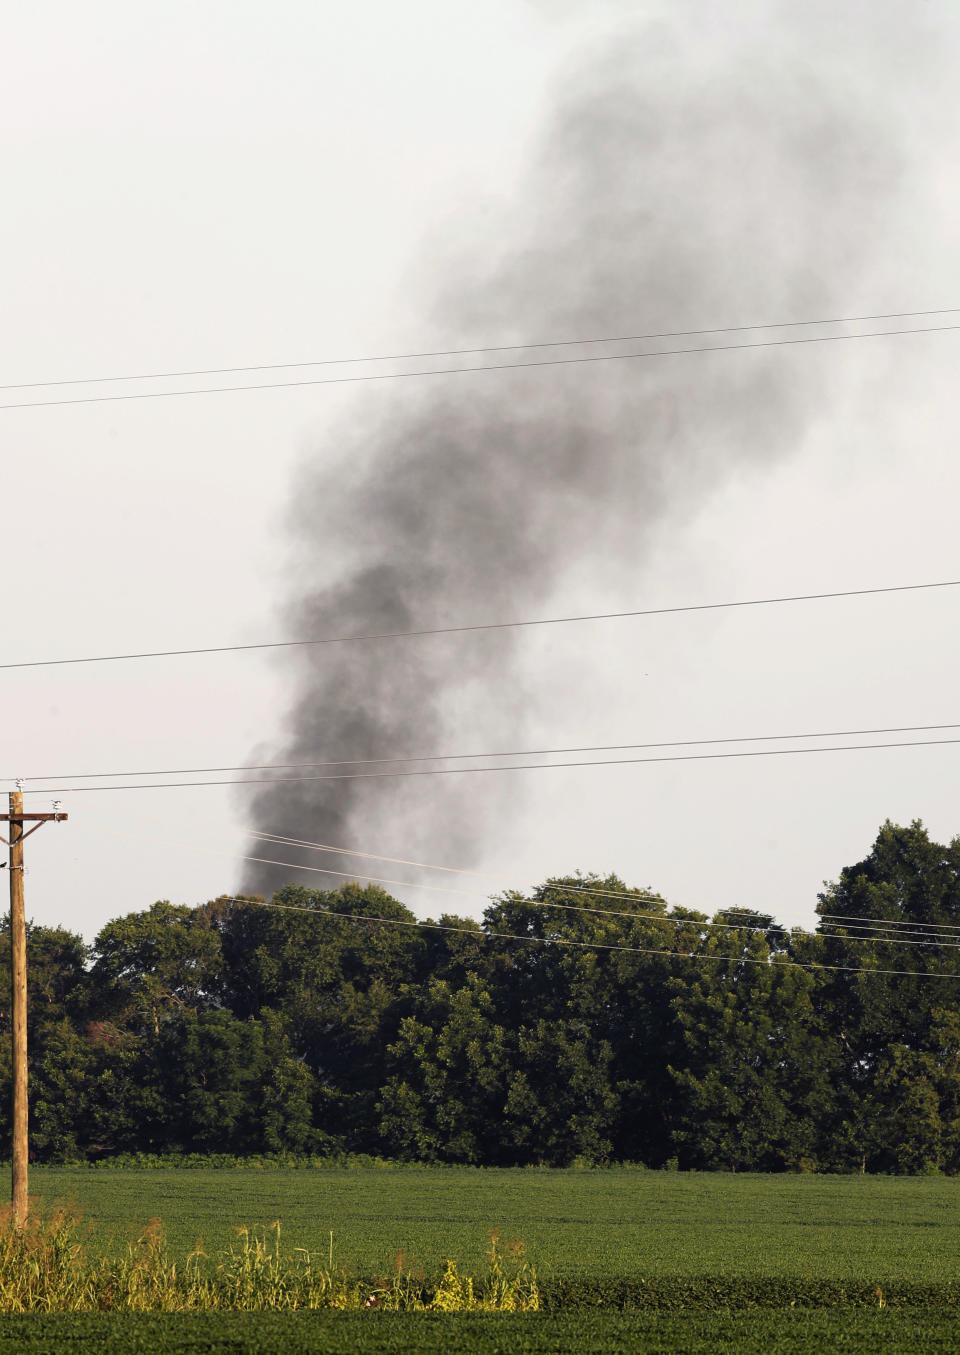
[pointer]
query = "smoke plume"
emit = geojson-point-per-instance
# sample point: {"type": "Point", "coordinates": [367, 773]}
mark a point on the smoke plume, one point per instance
{"type": "Point", "coordinates": [669, 191]}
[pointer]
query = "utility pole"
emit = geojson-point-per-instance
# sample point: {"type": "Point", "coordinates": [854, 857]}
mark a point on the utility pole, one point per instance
{"type": "Point", "coordinates": [18, 983]}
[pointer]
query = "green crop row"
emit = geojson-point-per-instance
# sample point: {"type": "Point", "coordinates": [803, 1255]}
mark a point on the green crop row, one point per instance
{"type": "Point", "coordinates": [789, 1332]}
{"type": "Point", "coordinates": [721, 1293]}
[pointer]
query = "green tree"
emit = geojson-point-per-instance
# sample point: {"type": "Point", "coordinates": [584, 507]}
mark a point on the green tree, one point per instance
{"type": "Point", "coordinates": [335, 981]}
{"type": "Point", "coordinates": [94, 1093]}
{"type": "Point", "coordinates": [753, 1084]}
{"type": "Point", "coordinates": [56, 995]}
{"type": "Point", "coordinates": [445, 1092]}
{"type": "Point", "coordinates": [151, 965]}
{"type": "Point", "coordinates": [560, 1102]}
{"type": "Point", "coordinates": [895, 1064]}
{"type": "Point", "coordinates": [233, 1086]}
{"type": "Point", "coordinates": [597, 970]}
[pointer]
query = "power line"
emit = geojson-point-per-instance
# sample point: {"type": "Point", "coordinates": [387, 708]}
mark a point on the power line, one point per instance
{"type": "Point", "coordinates": [697, 924]}
{"type": "Point", "coordinates": [895, 927]}
{"type": "Point", "coordinates": [430, 865]}
{"type": "Point", "coordinates": [348, 876]}
{"type": "Point", "coordinates": [881, 933]}
{"type": "Point", "coordinates": [409, 884]}
{"type": "Point", "coordinates": [470, 352]}
{"type": "Point", "coordinates": [889, 928]}
{"type": "Point", "coordinates": [873, 923]}
{"type": "Point", "coordinates": [282, 840]}
{"type": "Point", "coordinates": [512, 767]}
{"type": "Point", "coordinates": [879, 923]}
{"type": "Point", "coordinates": [278, 840]}
{"type": "Point", "coordinates": [488, 625]}
{"type": "Point", "coordinates": [479, 935]}
{"type": "Point", "coordinates": [451, 757]}
{"type": "Point", "coordinates": [538, 903]}
{"type": "Point", "coordinates": [932, 936]}
{"type": "Point", "coordinates": [481, 367]}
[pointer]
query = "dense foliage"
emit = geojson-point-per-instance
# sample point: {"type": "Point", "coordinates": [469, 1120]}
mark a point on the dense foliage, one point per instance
{"type": "Point", "coordinates": [548, 1033]}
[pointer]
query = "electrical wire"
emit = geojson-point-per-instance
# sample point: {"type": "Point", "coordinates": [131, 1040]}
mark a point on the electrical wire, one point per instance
{"type": "Point", "coordinates": [881, 935]}
{"type": "Point", "coordinates": [488, 625]}
{"type": "Point", "coordinates": [410, 884]}
{"type": "Point", "coordinates": [944, 935]}
{"type": "Point", "coordinates": [376, 879]}
{"type": "Point", "coordinates": [880, 923]}
{"type": "Point", "coordinates": [479, 935]}
{"type": "Point", "coordinates": [511, 767]}
{"type": "Point", "coordinates": [482, 367]}
{"type": "Point", "coordinates": [924, 938]}
{"type": "Point", "coordinates": [471, 352]}
{"type": "Point", "coordinates": [349, 875]}
{"type": "Point", "coordinates": [696, 924]}
{"type": "Point", "coordinates": [887, 929]}
{"type": "Point", "coordinates": [452, 757]}
{"type": "Point", "coordinates": [539, 903]}
{"type": "Point", "coordinates": [429, 865]}
{"type": "Point", "coordinates": [860, 924]}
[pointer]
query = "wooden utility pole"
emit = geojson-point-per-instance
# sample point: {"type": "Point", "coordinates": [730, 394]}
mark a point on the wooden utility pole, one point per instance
{"type": "Point", "coordinates": [18, 981]}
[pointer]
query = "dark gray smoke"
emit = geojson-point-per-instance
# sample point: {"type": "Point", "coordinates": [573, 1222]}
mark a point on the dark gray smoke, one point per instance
{"type": "Point", "coordinates": [668, 193]}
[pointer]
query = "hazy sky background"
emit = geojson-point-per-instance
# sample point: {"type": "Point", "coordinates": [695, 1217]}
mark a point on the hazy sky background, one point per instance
{"type": "Point", "coordinates": [204, 185]}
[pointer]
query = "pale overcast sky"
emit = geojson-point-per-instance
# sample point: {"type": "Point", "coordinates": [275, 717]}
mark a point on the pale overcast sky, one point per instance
{"type": "Point", "coordinates": [209, 185]}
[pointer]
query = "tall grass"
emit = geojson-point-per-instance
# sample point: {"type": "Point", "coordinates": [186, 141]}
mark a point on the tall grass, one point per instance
{"type": "Point", "coordinates": [49, 1266]}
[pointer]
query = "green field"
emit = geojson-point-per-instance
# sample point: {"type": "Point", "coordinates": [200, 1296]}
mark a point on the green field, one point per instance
{"type": "Point", "coordinates": [628, 1260]}
{"type": "Point", "coordinates": [583, 1224]}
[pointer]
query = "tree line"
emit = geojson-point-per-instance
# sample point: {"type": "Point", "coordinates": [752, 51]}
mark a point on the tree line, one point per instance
{"type": "Point", "coordinates": [566, 1026]}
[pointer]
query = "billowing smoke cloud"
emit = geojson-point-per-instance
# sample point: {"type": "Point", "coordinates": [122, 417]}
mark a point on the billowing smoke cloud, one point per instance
{"type": "Point", "coordinates": [675, 187]}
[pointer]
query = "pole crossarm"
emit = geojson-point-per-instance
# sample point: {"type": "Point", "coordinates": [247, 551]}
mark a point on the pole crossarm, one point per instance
{"type": "Point", "coordinates": [29, 818]}
{"type": "Point", "coordinates": [41, 819]}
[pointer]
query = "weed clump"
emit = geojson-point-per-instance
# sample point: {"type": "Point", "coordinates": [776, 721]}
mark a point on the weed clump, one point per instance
{"type": "Point", "coordinates": [48, 1266]}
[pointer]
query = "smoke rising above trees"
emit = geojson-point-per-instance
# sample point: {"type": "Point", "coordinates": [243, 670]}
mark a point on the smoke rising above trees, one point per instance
{"type": "Point", "coordinates": [666, 192]}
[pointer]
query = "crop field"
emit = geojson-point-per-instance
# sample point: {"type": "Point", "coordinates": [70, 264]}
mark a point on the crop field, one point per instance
{"type": "Point", "coordinates": [627, 1260]}
{"type": "Point", "coordinates": [592, 1225]}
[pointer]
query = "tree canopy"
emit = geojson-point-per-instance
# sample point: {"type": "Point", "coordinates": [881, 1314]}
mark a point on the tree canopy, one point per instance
{"type": "Point", "coordinates": [584, 1021]}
